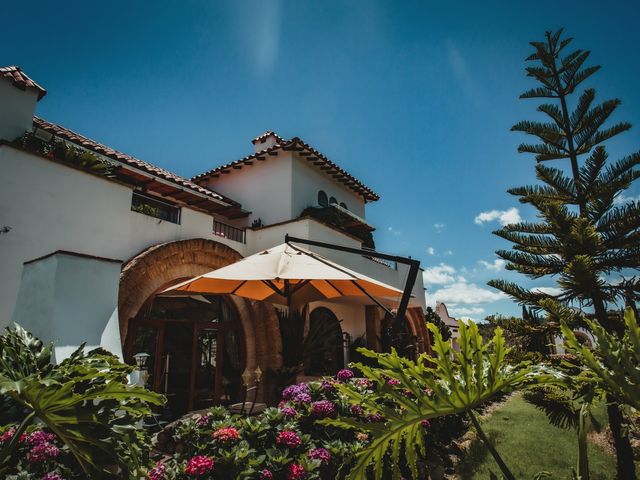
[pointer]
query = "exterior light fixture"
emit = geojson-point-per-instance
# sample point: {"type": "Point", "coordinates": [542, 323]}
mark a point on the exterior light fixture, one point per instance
{"type": "Point", "coordinates": [141, 360]}
{"type": "Point", "coordinates": [258, 373]}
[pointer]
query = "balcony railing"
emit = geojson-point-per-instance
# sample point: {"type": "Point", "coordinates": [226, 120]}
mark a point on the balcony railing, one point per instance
{"type": "Point", "coordinates": [228, 231]}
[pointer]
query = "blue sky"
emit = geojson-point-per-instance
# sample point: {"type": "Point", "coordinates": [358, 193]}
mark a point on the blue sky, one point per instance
{"type": "Point", "coordinates": [414, 98]}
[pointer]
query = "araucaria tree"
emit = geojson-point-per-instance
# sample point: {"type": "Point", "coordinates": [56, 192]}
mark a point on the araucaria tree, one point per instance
{"type": "Point", "coordinates": [586, 235]}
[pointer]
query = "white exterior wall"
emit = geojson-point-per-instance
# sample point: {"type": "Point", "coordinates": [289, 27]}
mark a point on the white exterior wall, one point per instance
{"type": "Point", "coordinates": [308, 180]}
{"type": "Point", "coordinates": [263, 188]}
{"type": "Point", "coordinates": [52, 207]}
{"type": "Point", "coordinates": [16, 110]}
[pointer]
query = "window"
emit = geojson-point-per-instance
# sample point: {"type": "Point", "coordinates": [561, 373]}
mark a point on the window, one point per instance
{"type": "Point", "coordinates": [333, 201]}
{"type": "Point", "coordinates": [326, 350]}
{"type": "Point", "coordinates": [322, 199]}
{"type": "Point", "coordinates": [344, 205]}
{"type": "Point", "coordinates": [154, 207]}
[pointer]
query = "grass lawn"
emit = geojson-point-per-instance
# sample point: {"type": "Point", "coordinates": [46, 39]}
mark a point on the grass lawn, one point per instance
{"type": "Point", "coordinates": [529, 444]}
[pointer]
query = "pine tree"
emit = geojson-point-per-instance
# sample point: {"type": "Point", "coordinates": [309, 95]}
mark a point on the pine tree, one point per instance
{"type": "Point", "coordinates": [584, 233]}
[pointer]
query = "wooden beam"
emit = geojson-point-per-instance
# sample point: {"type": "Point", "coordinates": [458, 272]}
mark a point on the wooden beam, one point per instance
{"type": "Point", "coordinates": [237, 167]}
{"type": "Point", "coordinates": [273, 153]}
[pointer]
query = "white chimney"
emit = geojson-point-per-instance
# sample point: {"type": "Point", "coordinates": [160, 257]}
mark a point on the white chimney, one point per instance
{"type": "Point", "coordinates": [18, 97]}
{"type": "Point", "coordinates": [266, 140]}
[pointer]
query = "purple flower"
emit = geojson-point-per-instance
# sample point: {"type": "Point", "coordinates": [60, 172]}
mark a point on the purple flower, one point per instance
{"type": "Point", "coordinates": [323, 409]}
{"type": "Point", "coordinates": [38, 437]}
{"type": "Point", "coordinates": [394, 382]}
{"type": "Point", "coordinates": [293, 391]}
{"type": "Point", "coordinates": [158, 472]}
{"type": "Point", "coordinates": [375, 417]}
{"type": "Point", "coordinates": [356, 409]}
{"type": "Point", "coordinates": [364, 382]}
{"type": "Point", "coordinates": [321, 454]}
{"type": "Point", "coordinates": [204, 421]}
{"type": "Point", "coordinates": [289, 411]}
{"type": "Point", "coordinates": [51, 476]}
{"type": "Point", "coordinates": [328, 385]}
{"type": "Point", "coordinates": [289, 439]}
{"type": "Point", "coordinates": [344, 375]}
{"type": "Point", "coordinates": [266, 474]}
{"type": "Point", "coordinates": [425, 424]}
{"type": "Point", "coordinates": [302, 398]}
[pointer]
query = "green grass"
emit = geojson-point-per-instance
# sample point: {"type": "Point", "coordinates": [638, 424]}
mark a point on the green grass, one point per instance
{"type": "Point", "coordinates": [529, 444]}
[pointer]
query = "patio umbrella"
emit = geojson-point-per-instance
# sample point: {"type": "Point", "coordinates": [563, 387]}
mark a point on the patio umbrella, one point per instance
{"type": "Point", "coordinates": [287, 274]}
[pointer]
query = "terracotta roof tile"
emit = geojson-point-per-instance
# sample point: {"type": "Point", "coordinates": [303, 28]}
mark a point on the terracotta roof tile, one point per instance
{"type": "Point", "coordinates": [296, 144]}
{"type": "Point", "coordinates": [21, 80]}
{"type": "Point", "coordinates": [76, 138]}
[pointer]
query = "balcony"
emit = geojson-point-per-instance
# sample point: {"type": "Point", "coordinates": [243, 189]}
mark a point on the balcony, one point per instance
{"type": "Point", "coordinates": [230, 232]}
{"type": "Point", "coordinates": [342, 219]}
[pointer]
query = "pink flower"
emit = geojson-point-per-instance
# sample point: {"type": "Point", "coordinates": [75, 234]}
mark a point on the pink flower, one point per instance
{"type": "Point", "coordinates": [394, 382]}
{"type": "Point", "coordinates": [321, 454]}
{"type": "Point", "coordinates": [203, 421]}
{"type": "Point", "coordinates": [364, 382]}
{"type": "Point", "coordinates": [43, 451]}
{"type": "Point", "coordinates": [51, 476]}
{"type": "Point", "coordinates": [226, 435]}
{"type": "Point", "coordinates": [296, 472]}
{"type": "Point", "coordinates": [356, 409]}
{"type": "Point", "coordinates": [344, 375]}
{"type": "Point", "coordinates": [158, 472]}
{"type": "Point", "coordinates": [323, 409]}
{"type": "Point", "coordinates": [8, 435]}
{"type": "Point", "coordinates": [199, 465]}
{"type": "Point", "coordinates": [39, 436]}
{"type": "Point", "coordinates": [425, 424]}
{"type": "Point", "coordinates": [266, 474]}
{"type": "Point", "coordinates": [289, 439]}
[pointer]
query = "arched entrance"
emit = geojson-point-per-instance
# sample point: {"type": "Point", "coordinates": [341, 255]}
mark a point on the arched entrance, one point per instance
{"type": "Point", "coordinates": [200, 345]}
{"type": "Point", "coordinates": [325, 350]}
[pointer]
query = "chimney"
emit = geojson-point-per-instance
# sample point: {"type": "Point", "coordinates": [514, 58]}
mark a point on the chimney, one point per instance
{"type": "Point", "coordinates": [267, 140]}
{"type": "Point", "coordinates": [18, 97]}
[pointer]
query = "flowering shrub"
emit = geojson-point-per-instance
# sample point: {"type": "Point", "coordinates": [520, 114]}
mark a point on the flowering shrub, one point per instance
{"type": "Point", "coordinates": [40, 454]}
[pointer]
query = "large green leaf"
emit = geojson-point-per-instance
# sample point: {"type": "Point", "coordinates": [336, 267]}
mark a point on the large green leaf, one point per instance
{"type": "Point", "coordinates": [449, 382]}
{"type": "Point", "coordinates": [85, 401]}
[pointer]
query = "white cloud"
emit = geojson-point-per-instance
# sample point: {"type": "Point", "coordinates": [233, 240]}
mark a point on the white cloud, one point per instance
{"type": "Point", "coordinates": [548, 290]}
{"type": "Point", "coordinates": [463, 293]}
{"type": "Point", "coordinates": [438, 275]}
{"type": "Point", "coordinates": [621, 199]}
{"type": "Point", "coordinates": [505, 217]}
{"type": "Point", "coordinates": [393, 231]}
{"type": "Point", "coordinates": [431, 250]}
{"type": "Point", "coordinates": [439, 227]}
{"type": "Point", "coordinates": [465, 311]}
{"type": "Point", "coordinates": [497, 265]}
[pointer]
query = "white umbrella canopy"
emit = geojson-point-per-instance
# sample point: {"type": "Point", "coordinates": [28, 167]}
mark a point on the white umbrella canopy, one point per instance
{"type": "Point", "coordinates": [286, 274]}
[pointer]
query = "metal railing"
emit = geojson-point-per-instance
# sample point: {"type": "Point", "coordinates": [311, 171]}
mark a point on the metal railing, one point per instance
{"type": "Point", "coordinates": [223, 230]}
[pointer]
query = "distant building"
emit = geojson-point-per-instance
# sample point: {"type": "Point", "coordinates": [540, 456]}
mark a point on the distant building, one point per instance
{"type": "Point", "coordinates": [452, 323]}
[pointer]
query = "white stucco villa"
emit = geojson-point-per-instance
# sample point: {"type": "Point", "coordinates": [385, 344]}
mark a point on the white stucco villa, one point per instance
{"type": "Point", "coordinates": [90, 236]}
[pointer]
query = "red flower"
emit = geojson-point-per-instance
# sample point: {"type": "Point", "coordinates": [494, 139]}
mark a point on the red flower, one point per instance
{"type": "Point", "coordinates": [227, 434]}
{"type": "Point", "coordinates": [289, 439]}
{"type": "Point", "coordinates": [199, 465]}
{"type": "Point", "coordinates": [296, 472]}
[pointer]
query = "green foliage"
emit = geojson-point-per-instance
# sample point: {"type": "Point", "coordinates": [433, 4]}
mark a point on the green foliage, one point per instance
{"type": "Point", "coordinates": [84, 400]}
{"type": "Point", "coordinates": [432, 317]}
{"type": "Point", "coordinates": [62, 151]}
{"type": "Point", "coordinates": [146, 209]}
{"type": "Point", "coordinates": [616, 363]}
{"type": "Point", "coordinates": [451, 382]}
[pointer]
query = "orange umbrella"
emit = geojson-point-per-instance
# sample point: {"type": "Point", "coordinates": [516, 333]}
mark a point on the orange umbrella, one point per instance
{"type": "Point", "coordinates": [287, 274]}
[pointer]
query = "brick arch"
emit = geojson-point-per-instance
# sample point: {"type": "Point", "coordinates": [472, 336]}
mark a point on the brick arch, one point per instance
{"type": "Point", "coordinates": [160, 265]}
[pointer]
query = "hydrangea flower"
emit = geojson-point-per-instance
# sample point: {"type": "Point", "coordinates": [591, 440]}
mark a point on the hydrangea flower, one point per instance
{"type": "Point", "coordinates": [375, 417]}
{"type": "Point", "coordinates": [199, 465]}
{"type": "Point", "coordinates": [344, 375]}
{"type": "Point", "coordinates": [289, 412]}
{"type": "Point", "coordinates": [8, 435]}
{"type": "Point", "coordinates": [266, 474]}
{"type": "Point", "coordinates": [296, 472]}
{"type": "Point", "coordinates": [204, 421]}
{"type": "Point", "coordinates": [302, 398]}
{"type": "Point", "coordinates": [323, 409]}
{"type": "Point", "coordinates": [51, 476]}
{"type": "Point", "coordinates": [43, 451]}
{"type": "Point", "coordinates": [394, 382]}
{"type": "Point", "coordinates": [321, 454]}
{"type": "Point", "coordinates": [426, 424]}
{"type": "Point", "coordinates": [289, 439]}
{"type": "Point", "coordinates": [364, 382]}
{"type": "Point", "coordinates": [327, 385]}
{"type": "Point", "coordinates": [226, 434]}
{"type": "Point", "coordinates": [356, 409]}
{"type": "Point", "coordinates": [158, 472]}
{"type": "Point", "coordinates": [37, 437]}
{"type": "Point", "coordinates": [293, 391]}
